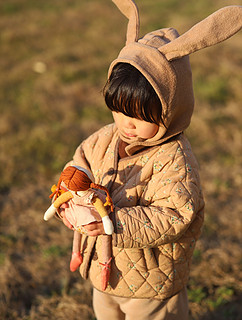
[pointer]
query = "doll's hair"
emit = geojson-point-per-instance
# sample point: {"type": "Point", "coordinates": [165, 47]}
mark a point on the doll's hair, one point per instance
{"type": "Point", "coordinates": [77, 180]}
{"type": "Point", "coordinates": [129, 92]}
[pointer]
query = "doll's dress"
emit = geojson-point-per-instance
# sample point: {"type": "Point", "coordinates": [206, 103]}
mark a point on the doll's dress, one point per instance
{"type": "Point", "coordinates": [81, 211]}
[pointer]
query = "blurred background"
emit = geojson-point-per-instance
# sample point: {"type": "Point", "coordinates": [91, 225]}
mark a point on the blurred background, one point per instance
{"type": "Point", "coordinates": [54, 57]}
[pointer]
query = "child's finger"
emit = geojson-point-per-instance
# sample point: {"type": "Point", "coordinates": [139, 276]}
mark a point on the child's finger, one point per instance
{"type": "Point", "coordinates": [66, 222]}
{"type": "Point", "coordinates": [64, 205]}
{"type": "Point", "coordinates": [94, 229]}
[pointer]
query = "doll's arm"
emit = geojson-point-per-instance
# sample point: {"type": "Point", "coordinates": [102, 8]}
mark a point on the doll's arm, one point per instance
{"type": "Point", "coordinates": [64, 197]}
{"type": "Point", "coordinates": [107, 223]}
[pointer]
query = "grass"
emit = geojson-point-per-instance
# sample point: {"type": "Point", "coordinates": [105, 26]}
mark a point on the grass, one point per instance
{"type": "Point", "coordinates": [54, 59]}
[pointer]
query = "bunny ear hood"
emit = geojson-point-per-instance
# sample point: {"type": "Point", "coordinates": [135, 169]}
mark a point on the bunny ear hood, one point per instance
{"type": "Point", "coordinates": [216, 28]}
{"type": "Point", "coordinates": [162, 57]}
{"type": "Point", "coordinates": [130, 10]}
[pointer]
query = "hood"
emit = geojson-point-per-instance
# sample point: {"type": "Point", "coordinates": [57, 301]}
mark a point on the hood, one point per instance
{"type": "Point", "coordinates": [162, 57]}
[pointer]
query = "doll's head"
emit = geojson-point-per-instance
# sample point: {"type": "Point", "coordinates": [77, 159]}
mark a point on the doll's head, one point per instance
{"type": "Point", "coordinates": [76, 179]}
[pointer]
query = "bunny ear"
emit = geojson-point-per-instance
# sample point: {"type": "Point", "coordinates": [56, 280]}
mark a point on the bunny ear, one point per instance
{"type": "Point", "coordinates": [130, 10]}
{"type": "Point", "coordinates": [216, 28]}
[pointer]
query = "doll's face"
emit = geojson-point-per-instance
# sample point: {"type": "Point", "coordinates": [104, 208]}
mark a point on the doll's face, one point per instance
{"type": "Point", "coordinates": [133, 128]}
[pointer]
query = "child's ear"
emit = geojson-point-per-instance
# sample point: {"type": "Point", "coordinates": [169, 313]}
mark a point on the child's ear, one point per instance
{"type": "Point", "coordinates": [216, 28]}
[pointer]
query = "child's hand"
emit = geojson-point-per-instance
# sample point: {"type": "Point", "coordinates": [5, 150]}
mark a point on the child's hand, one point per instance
{"type": "Point", "coordinates": [62, 214]}
{"type": "Point", "coordinates": [94, 229]}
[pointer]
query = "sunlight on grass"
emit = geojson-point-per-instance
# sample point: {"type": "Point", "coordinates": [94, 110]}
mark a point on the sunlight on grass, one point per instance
{"type": "Point", "coordinates": [196, 295]}
{"type": "Point", "coordinates": [54, 59]}
{"type": "Point", "coordinates": [55, 251]}
{"type": "Point", "coordinates": [214, 89]}
{"type": "Point", "coordinates": [222, 296]}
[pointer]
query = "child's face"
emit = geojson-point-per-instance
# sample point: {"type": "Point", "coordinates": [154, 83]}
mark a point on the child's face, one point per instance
{"type": "Point", "coordinates": [134, 128]}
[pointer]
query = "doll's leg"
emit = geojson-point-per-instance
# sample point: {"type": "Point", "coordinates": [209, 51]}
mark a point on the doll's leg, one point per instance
{"type": "Point", "coordinates": [106, 260]}
{"type": "Point", "coordinates": [76, 257]}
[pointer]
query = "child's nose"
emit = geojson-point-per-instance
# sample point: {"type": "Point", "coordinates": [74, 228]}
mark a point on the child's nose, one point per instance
{"type": "Point", "coordinates": [129, 123]}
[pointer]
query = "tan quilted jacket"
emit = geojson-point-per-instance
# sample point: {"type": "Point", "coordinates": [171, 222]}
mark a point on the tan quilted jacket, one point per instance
{"type": "Point", "coordinates": [158, 214]}
{"type": "Point", "coordinates": [156, 189]}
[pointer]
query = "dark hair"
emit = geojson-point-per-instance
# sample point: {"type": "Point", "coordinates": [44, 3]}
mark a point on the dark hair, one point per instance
{"type": "Point", "coordinates": [129, 92]}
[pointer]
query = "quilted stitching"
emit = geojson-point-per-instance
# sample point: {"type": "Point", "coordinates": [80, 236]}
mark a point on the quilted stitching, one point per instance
{"type": "Point", "coordinates": [153, 245]}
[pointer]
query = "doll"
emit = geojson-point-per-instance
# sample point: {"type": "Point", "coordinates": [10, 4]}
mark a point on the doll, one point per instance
{"type": "Point", "coordinates": [76, 189]}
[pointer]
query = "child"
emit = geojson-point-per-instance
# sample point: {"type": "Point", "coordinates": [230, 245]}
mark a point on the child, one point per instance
{"type": "Point", "coordinates": [147, 164]}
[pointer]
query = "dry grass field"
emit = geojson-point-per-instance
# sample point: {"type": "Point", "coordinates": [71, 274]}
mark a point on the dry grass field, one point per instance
{"type": "Point", "coordinates": [54, 57]}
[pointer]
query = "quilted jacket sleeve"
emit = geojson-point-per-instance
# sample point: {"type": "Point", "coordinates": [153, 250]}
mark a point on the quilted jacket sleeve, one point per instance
{"type": "Point", "coordinates": [93, 148]}
{"type": "Point", "coordinates": [174, 205]}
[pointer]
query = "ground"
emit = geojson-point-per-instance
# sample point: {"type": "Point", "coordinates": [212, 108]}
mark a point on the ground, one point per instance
{"type": "Point", "coordinates": [54, 59]}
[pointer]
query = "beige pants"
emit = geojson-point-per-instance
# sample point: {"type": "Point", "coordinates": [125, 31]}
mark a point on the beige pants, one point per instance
{"type": "Point", "coordinates": [107, 307]}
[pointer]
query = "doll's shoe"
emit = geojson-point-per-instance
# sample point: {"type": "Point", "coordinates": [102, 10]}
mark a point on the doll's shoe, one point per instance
{"type": "Point", "coordinates": [108, 225]}
{"type": "Point", "coordinates": [76, 261]}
